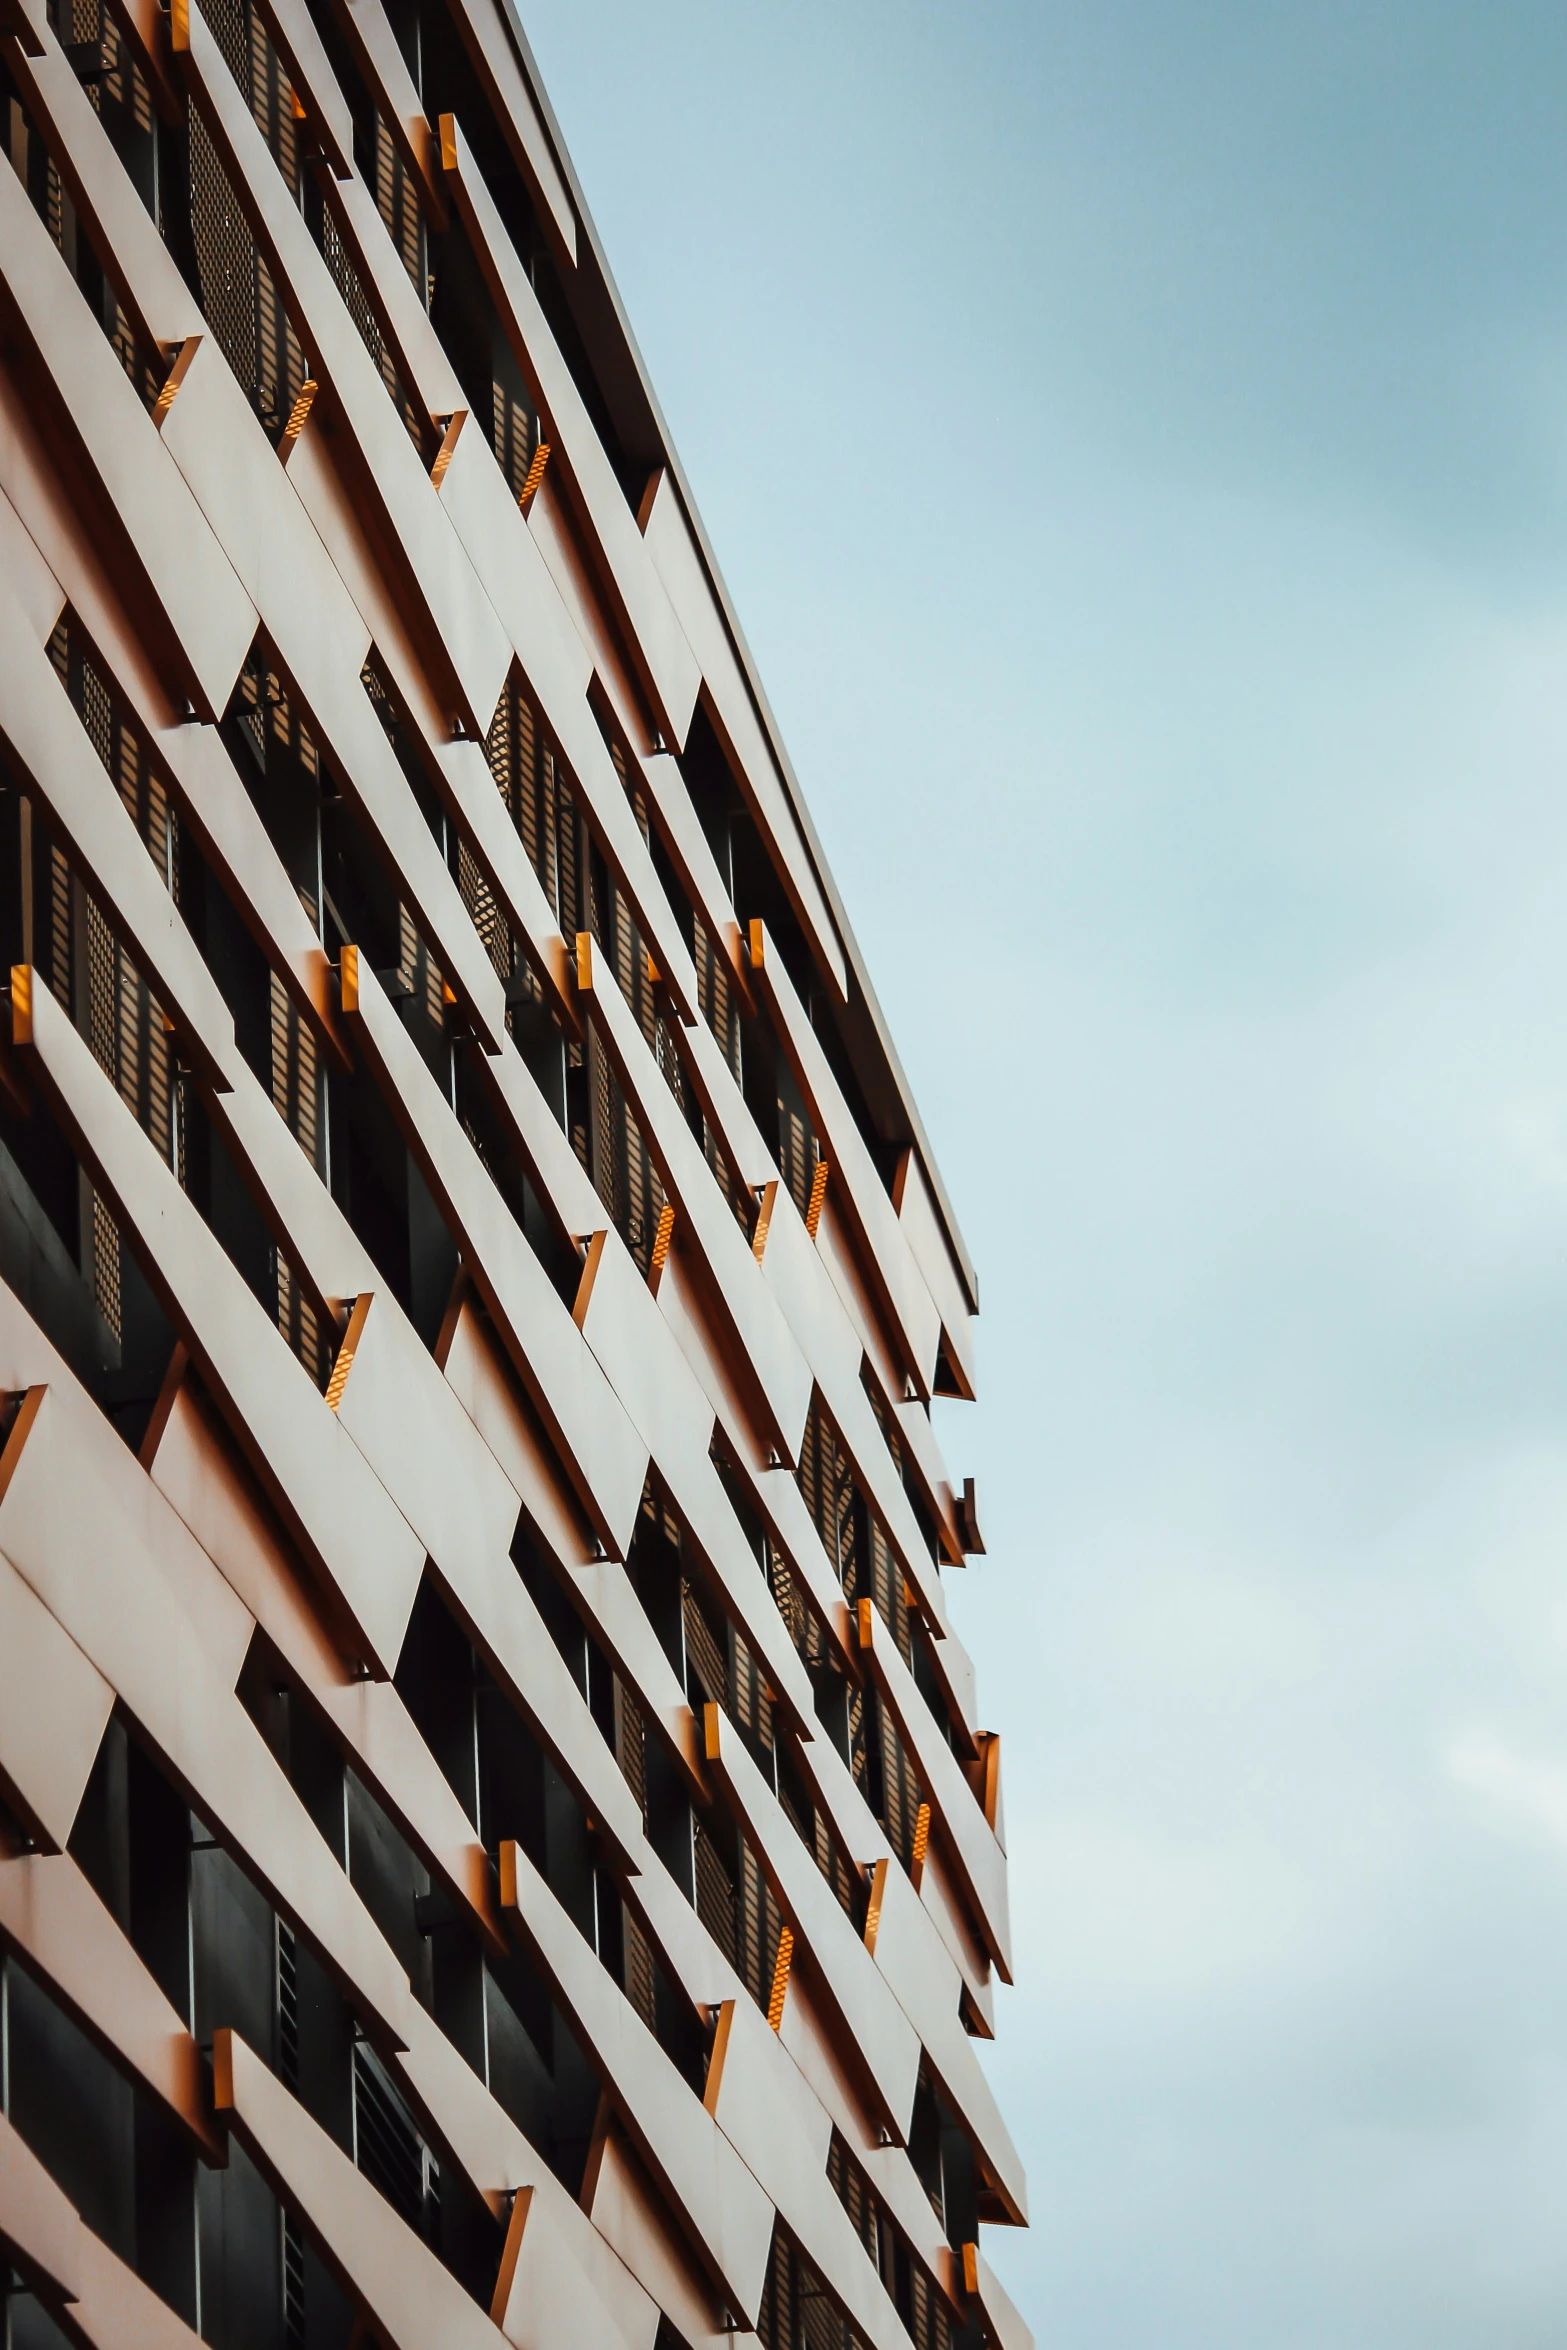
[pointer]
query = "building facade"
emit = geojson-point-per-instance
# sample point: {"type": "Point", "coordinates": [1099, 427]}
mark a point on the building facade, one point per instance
{"type": "Point", "coordinates": [497, 1836]}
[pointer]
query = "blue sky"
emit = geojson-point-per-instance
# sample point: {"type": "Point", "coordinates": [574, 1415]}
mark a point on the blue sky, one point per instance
{"type": "Point", "coordinates": [1136, 439]}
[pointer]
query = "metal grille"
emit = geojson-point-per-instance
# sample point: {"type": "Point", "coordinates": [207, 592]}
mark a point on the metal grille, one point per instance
{"type": "Point", "coordinates": [605, 1132]}
{"type": "Point", "coordinates": [752, 1706]}
{"type": "Point", "coordinates": [828, 1492]}
{"type": "Point", "coordinates": [796, 2313]}
{"type": "Point", "coordinates": [387, 2147]}
{"type": "Point", "coordinates": [751, 1709]}
{"type": "Point", "coordinates": [742, 1918]}
{"type": "Point", "coordinates": [798, 1152]}
{"type": "Point", "coordinates": [618, 1159]}
{"type": "Point", "coordinates": [118, 90]}
{"type": "Point", "coordinates": [514, 431]}
{"type": "Point", "coordinates": [929, 2323]}
{"type": "Point", "coordinates": [418, 971]}
{"type": "Point", "coordinates": [615, 1153]}
{"type": "Point", "coordinates": [859, 1550]}
{"type": "Point", "coordinates": [572, 909]}
{"type": "Point", "coordinates": [715, 995]}
{"type": "Point", "coordinates": [345, 276]}
{"type": "Point", "coordinates": [775, 2325]}
{"type": "Point", "coordinates": [537, 803]}
{"type": "Point", "coordinates": [827, 1484]}
{"type": "Point", "coordinates": [631, 1755]}
{"type": "Point", "coordinates": [271, 94]}
{"type": "Point", "coordinates": [887, 1585]}
{"type": "Point", "coordinates": [296, 1317]}
{"type": "Point", "coordinates": [854, 2192]}
{"type": "Point", "coordinates": [716, 1003]}
{"type": "Point", "coordinates": [901, 1794]}
{"type": "Point", "coordinates": [122, 84]}
{"type": "Point", "coordinates": [632, 971]}
{"type": "Point", "coordinates": [296, 1075]}
{"type": "Point", "coordinates": [715, 1894]}
{"type": "Point", "coordinates": [641, 1984]}
{"type": "Point", "coordinates": [227, 262]}
{"type": "Point", "coordinates": [278, 731]}
{"type": "Point", "coordinates": [286, 1974]}
{"type": "Point", "coordinates": [398, 203]}
{"type": "Point", "coordinates": [528, 793]}
{"type": "Point", "coordinates": [759, 1927]}
{"type": "Point", "coordinates": [631, 1743]}
{"type": "Point", "coordinates": [924, 2311]}
{"type": "Point", "coordinates": [293, 2279]}
{"type": "Point", "coordinates": [238, 295]}
{"type": "Point", "coordinates": [887, 1591]}
{"type": "Point", "coordinates": [822, 2324]}
{"type": "Point", "coordinates": [483, 912]}
{"type": "Point", "coordinates": [847, 1887]}
{"type": "Point", "coordinates": [225, 256]}
{"type": "Point", "coordinates": [90, 973]}
{"type": "Point", "coordinates": [297, 1080]}
{"type": "Point", "coordinates": [705, 1649]}
{"type": "Point", "coordinates": [788, 1600]}
{"type": "Point", "coordinates": [119, 81]}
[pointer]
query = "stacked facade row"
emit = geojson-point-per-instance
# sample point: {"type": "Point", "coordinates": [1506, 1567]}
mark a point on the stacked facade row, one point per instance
{"type": "Point", "coordinates": [497, 1836]}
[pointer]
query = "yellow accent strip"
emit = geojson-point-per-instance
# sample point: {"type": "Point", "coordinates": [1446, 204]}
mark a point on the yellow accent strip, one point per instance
{"type": "Point", "coordinates": [813, 1212]}
{"type": "Point", "coordinates": [223, 2069]}
{"type": "Point", "coordinates": [172, 381]}
{"type": "Point", "coordinates": [717, 2053]}
{"type": "Point", "coordinates": [661, 1240]}
{"type": "Point", "coordinates": [775, 2004]}
{"type": "Point", "coordinates": [443, 455]}
{"type": "Point", "coordinates": [511, 2251]}
{"type": "Point", "coordinates": [764, 1222]}
{"type": "Point", "coordinates": [535, 474]}
{"type": "Point", "coordinates": [873, 1908]}
{"type": "Point", "coordinates": [921, 1836]}
{"type": "Point", "coordinates": [297, 416]}
{"type": "Point", "coordinates": [345, 1353]}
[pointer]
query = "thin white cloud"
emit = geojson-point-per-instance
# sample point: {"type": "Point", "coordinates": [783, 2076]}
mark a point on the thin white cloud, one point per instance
{"type": "Point", "coordinates": [1520, 1791]}
{"type": "Point", "coordinates": [1174, 654]}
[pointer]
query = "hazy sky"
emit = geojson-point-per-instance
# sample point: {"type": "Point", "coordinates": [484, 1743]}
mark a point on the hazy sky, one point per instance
{"type": "Point", "coordinates": [1136, 439]}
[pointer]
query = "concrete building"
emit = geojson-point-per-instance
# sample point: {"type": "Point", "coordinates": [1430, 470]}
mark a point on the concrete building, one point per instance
{"type": "Point", "coordinates": [497, 1832]}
